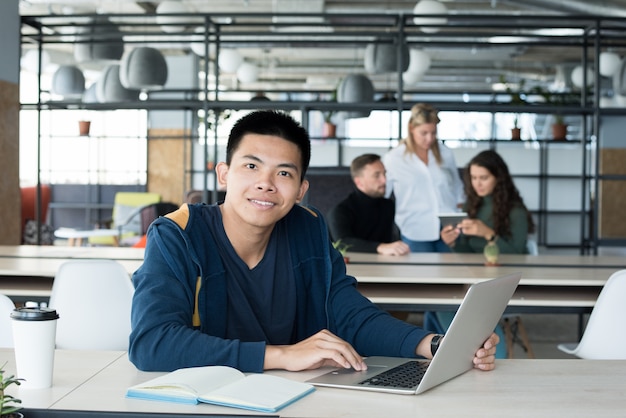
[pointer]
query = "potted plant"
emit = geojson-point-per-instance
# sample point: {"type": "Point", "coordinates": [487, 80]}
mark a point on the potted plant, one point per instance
{"type": "Point", "coordinates": [330, 128]}
{"type": "Point", "coordinates": [222, 115]}
{"type": "Point", "coordinates": [491, 253]}
{"type": "Point", "coordinates": [343, 249]}
{"type": "Point", "coordinates": [518, 97]}
{"type": "Point", "coordinates": [9, 406]}
{"type": "Point", "coordinates": [559, 127]}
{"type": "Point", "coordinates": [516, 131]}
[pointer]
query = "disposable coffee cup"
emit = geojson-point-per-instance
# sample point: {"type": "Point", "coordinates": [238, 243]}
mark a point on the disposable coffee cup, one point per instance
{"type": "Point", "coordinates": [34, 334]}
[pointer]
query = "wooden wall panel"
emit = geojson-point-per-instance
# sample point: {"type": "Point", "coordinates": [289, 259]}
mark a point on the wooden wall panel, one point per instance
{"type": "Point", "coordinates": [612, 194]}
{"type": "Point", "coordinates": [10, 198]}
{"type": "Point", "coordinates": [168, 163]}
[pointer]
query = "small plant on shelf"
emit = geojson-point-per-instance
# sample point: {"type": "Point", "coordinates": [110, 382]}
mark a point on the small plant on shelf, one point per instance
{"type": "Point", "coordinates": [222, 115]}
{"type": "Point", "coordinates": [518, 98]}
{"type": "Point", "coordinates": [9, 406]}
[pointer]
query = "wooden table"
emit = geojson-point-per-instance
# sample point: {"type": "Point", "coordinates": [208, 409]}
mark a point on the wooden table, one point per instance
{"type": "Point", "coordinates": [97, 382]}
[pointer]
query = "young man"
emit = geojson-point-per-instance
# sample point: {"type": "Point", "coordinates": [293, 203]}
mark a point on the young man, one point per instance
{"type": "Point", "coordinates": [364, 221]}
{"type": "Point", "coordinates": [254, 282]}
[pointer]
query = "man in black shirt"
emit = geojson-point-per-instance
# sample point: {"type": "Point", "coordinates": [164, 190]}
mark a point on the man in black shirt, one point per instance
{"type": "Point", "coordinates": [364, 221]}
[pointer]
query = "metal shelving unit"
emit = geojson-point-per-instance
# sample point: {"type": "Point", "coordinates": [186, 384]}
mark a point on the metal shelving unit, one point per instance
{"type": "Point", "coordinates": [351, 31]}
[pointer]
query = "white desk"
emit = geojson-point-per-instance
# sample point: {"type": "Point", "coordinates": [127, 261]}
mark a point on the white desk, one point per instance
{"type": "Point", "coordinates": [517, 388]}
{"type": "Point", "coordinates": [507, 260]}
{"type": "Point", "coordinates": [425, 287]}
{"type": "Point", "coordinates": [75, 236]}
{"type": "Point", "coordinates": [25, 277]}
{"type": "Point", "coordinates": [56, 251]}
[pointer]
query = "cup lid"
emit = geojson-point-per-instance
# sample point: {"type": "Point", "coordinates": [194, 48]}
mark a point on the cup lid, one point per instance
{"type": "Point", "coordinates": [34, 314]}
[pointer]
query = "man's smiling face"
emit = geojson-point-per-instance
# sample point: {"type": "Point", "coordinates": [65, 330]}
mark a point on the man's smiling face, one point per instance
{"type": "Point", "coordinates": [263, 180]}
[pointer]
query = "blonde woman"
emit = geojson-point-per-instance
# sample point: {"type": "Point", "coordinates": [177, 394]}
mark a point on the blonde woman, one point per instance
{"type": "Point", "coordinates": [423, 177]}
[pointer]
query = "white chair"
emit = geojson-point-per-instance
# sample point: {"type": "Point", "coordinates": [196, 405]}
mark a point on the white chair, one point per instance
{"type": "Point", "coordinates": [93, 299]}
{"type": "Point", "coordinates": [531, 247]}
{"type": "Point", "coordinates": [6, 330]}
{"type": "Point", "coordinates": [604, 337]}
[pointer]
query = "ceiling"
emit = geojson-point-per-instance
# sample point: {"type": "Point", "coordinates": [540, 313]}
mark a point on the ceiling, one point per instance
{"type": "Point", "coordinates": [464, 55]}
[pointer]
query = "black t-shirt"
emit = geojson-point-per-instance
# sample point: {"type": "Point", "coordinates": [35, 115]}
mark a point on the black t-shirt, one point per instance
{"type": "Point", "coordinates": [261, 303]}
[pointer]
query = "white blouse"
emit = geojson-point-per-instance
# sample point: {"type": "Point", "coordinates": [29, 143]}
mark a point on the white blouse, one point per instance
{"type": "Point", "coordinates": [422, 191]}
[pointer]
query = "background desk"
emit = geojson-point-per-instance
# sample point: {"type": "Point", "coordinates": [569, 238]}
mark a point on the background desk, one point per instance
{"type": "Point", "coordinates": [507, 260]}
{"type": "Point", "coordinates": [30, 278]}
{"type": "Point", "coordinates": [517, 388]}
{"type": "Point", "coordinates": [425, 287]}
{"type": "Point", "coordinates": [55, 251]}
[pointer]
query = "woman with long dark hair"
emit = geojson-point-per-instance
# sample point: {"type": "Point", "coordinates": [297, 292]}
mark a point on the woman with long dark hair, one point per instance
{"type": "Point", "coordinates": [496, 211]}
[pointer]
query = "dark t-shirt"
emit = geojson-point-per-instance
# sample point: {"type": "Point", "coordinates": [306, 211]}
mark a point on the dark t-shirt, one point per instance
{"type": "Point", "coordinates": [262, 300]}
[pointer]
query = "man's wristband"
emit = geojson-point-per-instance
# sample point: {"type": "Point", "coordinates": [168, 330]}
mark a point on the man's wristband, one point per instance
{"type": "Point", "coordinates": [434, 343]}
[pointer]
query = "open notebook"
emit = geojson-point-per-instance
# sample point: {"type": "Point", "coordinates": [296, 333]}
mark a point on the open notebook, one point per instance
{"type": "Point", "coordinates": [474, 321]}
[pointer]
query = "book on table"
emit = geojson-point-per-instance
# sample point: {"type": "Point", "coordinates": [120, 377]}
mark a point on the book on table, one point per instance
{"type": "Point", "coordinates": [224, 386]}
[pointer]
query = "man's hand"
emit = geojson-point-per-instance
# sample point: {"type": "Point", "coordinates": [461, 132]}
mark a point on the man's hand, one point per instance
{"type": "Point", "coordinates": [486, 355]}
{"type": "Point", "coordinates": [321, 349]}
{"type": "Point", "coordinates": [393, 248]}
{"type": "Point", "coordinates": [484, 359]}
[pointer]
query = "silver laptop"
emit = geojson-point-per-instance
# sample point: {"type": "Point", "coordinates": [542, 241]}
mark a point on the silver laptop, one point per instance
{"type": "Point", "coordinates": [474, 321]}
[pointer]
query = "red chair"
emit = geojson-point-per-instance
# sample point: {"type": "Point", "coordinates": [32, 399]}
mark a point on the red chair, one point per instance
{"type": "Point", "coordinates": [29, 204]}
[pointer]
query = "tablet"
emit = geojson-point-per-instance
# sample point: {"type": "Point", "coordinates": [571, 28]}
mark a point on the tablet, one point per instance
{"type": "Point", "coordinates": [453, 218]}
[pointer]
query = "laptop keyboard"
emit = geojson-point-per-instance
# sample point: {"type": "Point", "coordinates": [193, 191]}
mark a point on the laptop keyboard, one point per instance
{"type": "Point", "coordinates": [406, 375]}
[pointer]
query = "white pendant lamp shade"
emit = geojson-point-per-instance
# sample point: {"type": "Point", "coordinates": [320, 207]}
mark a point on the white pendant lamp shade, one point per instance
{"type": "Point", "coordinates": [619, 80]}
{"type": "Point", "coordinates": [110, 89]}
{"type": "Point", "coordinates": [419, 62]}
{"type": "Point", "coordinates": [411, 79]}
{"type": "Point", "coordinates": [429, 7]}
{"type": "Point", "coordinates": [229, 60]}
{"type": "Point", "coordinates": [609, 63]}
{"type": "Point", "coordinates": [68, 81]}
{"type": "Point", "coordinates": [143, 68]}
{"type": "Point", "coordinates": [247, 73]}
{"type": "Point", "coordinates": [90, 96]}
{"type": "Point", "coordinates": [578, 75]}
{"type": "Point", "coordinates": [197, 46]}
{"type": "Point", "coordinates": [169, 23]}
{"type": "Point", "coordinates": [355, 88]}
{"type": "Point", "coordinates": [99, 41]}
{"type": "Point", "coordinates": [383, 58]}
{"type": "Point", "coordinates": [30, 61]}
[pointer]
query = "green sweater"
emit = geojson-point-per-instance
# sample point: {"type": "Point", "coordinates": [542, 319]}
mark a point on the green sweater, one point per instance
{"type": "Point", "coordinates": [513, 244]}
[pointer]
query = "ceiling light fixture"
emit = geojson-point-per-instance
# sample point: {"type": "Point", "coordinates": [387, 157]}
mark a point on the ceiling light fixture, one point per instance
{"type": "Point", "coordinates": [167, 22]}
{"type": "Point", "coordinates": [430, 7]}
{"type": "Point", "coordinates": [609, 63]}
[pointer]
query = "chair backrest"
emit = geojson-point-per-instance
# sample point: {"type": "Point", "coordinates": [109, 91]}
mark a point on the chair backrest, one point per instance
{"type": "Point", "coordinates": [125, 206]}
{"type": "Point", "coordinates": [531, 247]}
{"type": "Point", "coordinates": [149, 213]}
{"type": "Point", "coordinates": [604, 336]}
{"type": "Point", "coordinates": [93, 299]}
{"type": "Point", "coordinates": [6, 328]}
{"type": "Point", "coordinates": [327, 187]}
{"type": "Point", "coordinates": [127, 203]}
